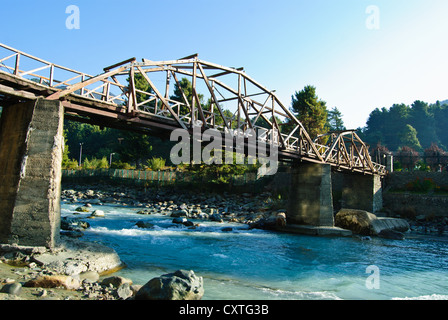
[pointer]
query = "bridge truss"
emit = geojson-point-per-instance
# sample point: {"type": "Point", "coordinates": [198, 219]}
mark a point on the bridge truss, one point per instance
{"type": "Point", "coordinates": [114, 99]}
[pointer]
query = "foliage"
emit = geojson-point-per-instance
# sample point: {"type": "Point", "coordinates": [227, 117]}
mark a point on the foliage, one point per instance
{"type": "Point", "coordinates": [417, 126]}
{"type": "Point", "coordinates": [334, 120]}
{"type": "Point", "coordinates": [422, 185]}
{"type": "Point", "coordinates": [311, 111]}
{"type": "Point", "coordinates": [156, 164]}
{"type": "Point", "coordinates": [187, 87]}
{"type": "Point", "coordinates": [95, 163]}
{"type": "Point", "coordinates": [70, 164]}
{"type": "Point", "coordinates": [409, 138]}
{"type": "Point", "coordinates": [121, 165]}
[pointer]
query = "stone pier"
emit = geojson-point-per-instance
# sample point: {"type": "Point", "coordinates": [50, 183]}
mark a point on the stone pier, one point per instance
{"type": "Point", "coordinates": [310, 198]}
{"type": "Point", "coordinates": [31, 147]}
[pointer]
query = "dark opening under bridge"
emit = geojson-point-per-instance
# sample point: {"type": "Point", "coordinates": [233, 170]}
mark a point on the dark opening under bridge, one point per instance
{"type": "Point", "coordinates": [37, 95]}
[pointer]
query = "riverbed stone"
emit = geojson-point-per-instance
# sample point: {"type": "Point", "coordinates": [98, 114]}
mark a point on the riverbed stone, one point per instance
{"type": "Point", "coordinates": [358, 221]}
{"type": "Point", "coordinates": [180, 220]}
{"type": "Point", "coordinates": [14, 288]}
{"type": "Point", "coordinates": [144, 225]}
{"type": "Point", "coordinates": [115, 281]}
{"type": "Point", "coordinates": [98, 213]}
{"type": "Point", "coordinates": [124, 291]}
{"type": "Point", "coordinates": [180, 285]}
{"type": "Point", "coordinates": [179, 213]}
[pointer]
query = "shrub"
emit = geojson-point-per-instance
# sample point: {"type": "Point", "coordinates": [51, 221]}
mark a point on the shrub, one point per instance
{"type": "Point", "coordinates": [121, 165]}
{"type": "Point", "coordinates": [95, 163]}
{"type": "Point", "coordinates": [70, 164]}
{"type": "Point", "coordinates": [156, 164]}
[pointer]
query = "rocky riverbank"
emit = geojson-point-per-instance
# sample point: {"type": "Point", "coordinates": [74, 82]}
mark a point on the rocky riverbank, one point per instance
{"type": "Point", "coordinates": [256, 210]}
{"type": "Point", "coordinates": [73, 272]}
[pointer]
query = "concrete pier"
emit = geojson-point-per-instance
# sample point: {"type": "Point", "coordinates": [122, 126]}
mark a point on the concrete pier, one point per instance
{"type": "Point", "coordinates": [362, 192]}
{"type": "Point", "coordinates": [310, 198]}
{"type": "Point", "coordinates": [31, 147]}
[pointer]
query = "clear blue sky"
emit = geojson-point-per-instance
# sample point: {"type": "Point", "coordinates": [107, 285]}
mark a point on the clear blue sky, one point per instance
{"type": "Point", "coordinates": [283, 44]}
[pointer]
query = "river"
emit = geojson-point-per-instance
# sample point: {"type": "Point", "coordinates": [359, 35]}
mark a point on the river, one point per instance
{"type": "Point", "coordinates": [243, 264]}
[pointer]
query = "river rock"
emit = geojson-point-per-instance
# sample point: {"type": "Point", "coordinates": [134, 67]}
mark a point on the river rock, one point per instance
{"type": "Point", "coordinates": [73, 224]}
{"type": "Point", "coordinates": [91, 276]}
{"type": "Point", "coordinates": [216, 217]}
{"type": "Point", "coordinates": [124, 291]}
{"type": "Point", "coordinates": [144, 225]}
{"type": "Point", "coordinates": [188, 223]}
{"type": "Point", "coordinates": [14, 288]}
{"type": "Point", "coordinates": [179, 213]}
{"type": "Point", "coordinates": [180, 285]}
{"type": "Point", "coordinates": [98, 213]}
{"type": "Point", "coordinates": [82, 209]}
{"type": "Point", "coordinates": [358, 221]}
{"type": "Point", "coordinates": [180, 220]}
{"type": "Point", "coordinates": [115, 281]}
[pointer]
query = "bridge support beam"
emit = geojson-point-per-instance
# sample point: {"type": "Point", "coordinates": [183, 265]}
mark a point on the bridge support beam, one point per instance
{"type": "Point", "coordinates": [362, 192]}
{"type": "Point", "coordinates": [310, 197]}
{"type": "Point", "coordinates": [31, 147]}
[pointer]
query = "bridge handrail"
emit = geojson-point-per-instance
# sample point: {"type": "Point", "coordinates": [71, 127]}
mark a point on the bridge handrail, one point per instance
{"type": "Point", "coordinates": [345, 148]}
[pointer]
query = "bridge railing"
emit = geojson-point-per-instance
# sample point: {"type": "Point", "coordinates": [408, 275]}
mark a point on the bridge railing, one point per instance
{"type": "Point", "coordinates": [250, 103]}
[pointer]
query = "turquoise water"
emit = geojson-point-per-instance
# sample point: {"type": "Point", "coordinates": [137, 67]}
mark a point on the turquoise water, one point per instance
{"type": "Point", "coordinates": [245, 264]}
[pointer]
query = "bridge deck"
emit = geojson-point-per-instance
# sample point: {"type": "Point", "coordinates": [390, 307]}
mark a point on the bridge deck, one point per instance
{"type": "Point", "coordinates": [105, 101]}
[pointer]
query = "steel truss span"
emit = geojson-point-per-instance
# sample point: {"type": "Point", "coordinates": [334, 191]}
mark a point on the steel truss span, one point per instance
{"type": "Point", "coordinates": [113, 99]}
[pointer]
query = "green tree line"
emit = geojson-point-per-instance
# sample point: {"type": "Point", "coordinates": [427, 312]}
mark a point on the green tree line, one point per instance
{"type": "Point", "coordinates": [417, 126]}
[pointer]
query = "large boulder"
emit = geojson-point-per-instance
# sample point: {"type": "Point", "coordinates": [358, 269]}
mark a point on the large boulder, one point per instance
{"type": "Point", "coordinates": [357, 221]}
{"type": "Point", "coordinates": [367, 224]}
{"type": "Point", "coordinates": [180, 285]}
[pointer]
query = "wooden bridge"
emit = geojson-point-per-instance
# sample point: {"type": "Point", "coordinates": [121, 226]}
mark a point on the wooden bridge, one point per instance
{"type": "Point", "coordinates": [112, 99]}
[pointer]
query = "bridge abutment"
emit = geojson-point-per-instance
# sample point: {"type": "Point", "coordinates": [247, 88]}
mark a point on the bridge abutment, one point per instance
{"type": "Point", "coordinates": [310, 197]}
{"type": "Point", "coordinates": [31, 147]}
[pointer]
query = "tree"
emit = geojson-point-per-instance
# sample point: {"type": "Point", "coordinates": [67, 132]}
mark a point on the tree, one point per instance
{"type": "Point", "coordinates": [311, 111]}
{"type": "Point", "coordinates": [186, 87]}
{"type": "Point", "coordinates": [408, 138]}
{"type": "Point", "coordinates": [334, 120]}
{"type": "Point", "coordinates": [134, 147]}
{"type": "Point", "coordinates": [373, 133]}
{"type": "Point", "coordinates": [423, 121]}
{"type": "Point", "coordinates": [396, 120]}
